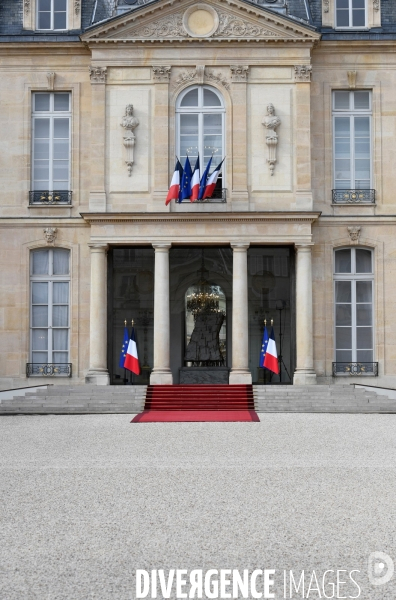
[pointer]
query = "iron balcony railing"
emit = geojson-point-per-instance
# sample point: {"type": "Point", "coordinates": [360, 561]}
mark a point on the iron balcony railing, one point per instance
{"type": "Point", "coordinates": [49, 369]}
{"type": "Point", "coordinates": [218, 196]}
{"type": "Point", "coordinates": [50, 197]}
{"type": "Point", "coordinates": [353, 196]}
{"type": "Point", "coordinates": [355, 368]}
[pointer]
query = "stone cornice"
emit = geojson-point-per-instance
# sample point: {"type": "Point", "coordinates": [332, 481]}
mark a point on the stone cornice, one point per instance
{"type": "Point", "coordinates": [270, 217]}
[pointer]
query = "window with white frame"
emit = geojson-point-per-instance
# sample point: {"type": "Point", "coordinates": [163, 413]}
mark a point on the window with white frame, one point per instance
{"type": "Point", "coordinates": [353, 298]}
{"type": "Point", "coordinates": [200, 115]}
{"type": "Point", "coordinates": [51, 125]}
{"type": "Point", "coordinates": [351, 13]}
{"type": "Point", "coordinates": [52, 15]}
{"type": "Point", "coordinates": [50, 299]}
{"type": "Point", "coordinates": [352, 139]}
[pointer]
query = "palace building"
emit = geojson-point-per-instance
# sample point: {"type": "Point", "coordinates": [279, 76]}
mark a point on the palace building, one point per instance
{"type": "Point", "coordinates": [97, 99]}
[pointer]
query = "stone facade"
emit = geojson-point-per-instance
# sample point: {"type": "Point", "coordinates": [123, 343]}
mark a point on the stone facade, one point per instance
{"type": "Point", "coordinates": [253, 56]}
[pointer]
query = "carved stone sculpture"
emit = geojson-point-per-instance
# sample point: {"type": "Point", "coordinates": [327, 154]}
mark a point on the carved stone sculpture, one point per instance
{"type": "Point", "coordinates": [271, 122]}
{"type": "Point", "coordinates": [50, 234]}
{"type": "Point", "coordinates": [376, 4]}
{"type": "Point", "coordinates": [129, 122]}
{"type": "Point", "coordinates": [302, 73]}
{"type": "Point", "coordinates": [51, 80]}
{"type": "Point", "coordinates": [354, 233]}
{"type": "Point", "coordinates": [326, 6]}
{"type": "Point", "coordinates": [98, 74]}
{"type": "Point", "coordinates": [161, 73]}
{"type": "Point", "coordinates": [239, 73]}
{"type": "Point", "coordinates": [204, 346]}
{"type": "Point", "coordinates": [77, 6]}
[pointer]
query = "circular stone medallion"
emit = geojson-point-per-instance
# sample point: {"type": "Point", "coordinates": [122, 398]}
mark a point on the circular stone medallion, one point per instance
{"type": "Point", "coordinates": [200, 20]}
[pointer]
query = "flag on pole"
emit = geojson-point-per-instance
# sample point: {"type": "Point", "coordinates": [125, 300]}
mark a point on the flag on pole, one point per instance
{"type": "Point", "coordinates": [204, 179]}
{"type": "Point", "coordinates": [210, 186]}
{"type": "Point", "coordinates": [124, 348]}
{"type": "Point", "coordinates": [185, 188]}
{"type": "Point", "coordinates": [195, 182]}
{"type": "Point", "coordinates": [264, 345]}
{"type": "Point", "coordinates": [131, 360]}
{"type": "Point", "coordinates": [271, 356]}
{"type": "Point", "coordinates": [174, 188]}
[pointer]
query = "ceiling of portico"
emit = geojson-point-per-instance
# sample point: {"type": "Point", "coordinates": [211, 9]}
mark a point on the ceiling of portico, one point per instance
{"type": "Point", "coordinates": [211, 20]}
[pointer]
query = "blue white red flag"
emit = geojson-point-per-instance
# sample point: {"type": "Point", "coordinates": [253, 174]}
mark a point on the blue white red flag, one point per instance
{"type": "Point", "coordinates": [174, 188]}
{"type": "Point", "coordinates": [204, 178]}
{"type": "Point", "coordinates": [124, 348]}
{"type": "Point", "coordinates": [131, 360]}
{"type": "Point", "coordinates": [264, 345]}
{"type": "Point", "coordinates": [185, 188]}
{"type": "Point", "coordinates": [271, 356]}
{"type": "Point", "coordinates": [195, 182]}
{"type": "Point", "coordinates": [211, 184]}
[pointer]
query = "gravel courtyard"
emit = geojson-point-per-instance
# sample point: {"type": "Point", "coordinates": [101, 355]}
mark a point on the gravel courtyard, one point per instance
{"type": "Point", "coordinates": [87, 500]}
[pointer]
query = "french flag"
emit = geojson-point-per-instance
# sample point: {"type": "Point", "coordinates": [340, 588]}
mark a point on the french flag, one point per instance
{"type": "Point", "coordinates": [195, 182]}
{"type": "Point", "coordinates": [174, 189]}
{"type": "Point", "coordinates": [211, 184]}
{"type": "Point", "coordinates": [131, 361]}
{"type": "Point", "coordinates": [204, 179]}
{"type": "Point", "coordinates": [271, 356]}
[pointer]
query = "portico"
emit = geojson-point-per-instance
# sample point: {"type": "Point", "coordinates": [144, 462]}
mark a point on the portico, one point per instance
{"type": "Point", "coordinates": [239, 231]}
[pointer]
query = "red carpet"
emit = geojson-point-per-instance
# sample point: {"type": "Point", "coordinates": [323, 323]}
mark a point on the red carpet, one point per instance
{"type": "Point", "coordinates": [177, 403]}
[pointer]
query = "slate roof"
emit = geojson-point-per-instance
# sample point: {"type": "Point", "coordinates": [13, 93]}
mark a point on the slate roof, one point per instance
{"type": "Point", "coordinates": [96, 11]}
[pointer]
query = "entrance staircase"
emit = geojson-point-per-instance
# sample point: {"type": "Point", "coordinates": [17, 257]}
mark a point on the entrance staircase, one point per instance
{"type": "Point", "coordinates": [86, 399]}
{"type": "Point", "coordinates": [320, 399]}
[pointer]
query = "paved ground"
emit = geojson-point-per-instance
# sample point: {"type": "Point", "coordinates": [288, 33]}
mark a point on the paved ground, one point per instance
{"type": "Point", "coordinates": [86, 500]}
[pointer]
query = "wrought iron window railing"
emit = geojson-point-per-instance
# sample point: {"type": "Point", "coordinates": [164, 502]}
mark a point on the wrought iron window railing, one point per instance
{"type": "Point", "coordinates": [50, 197]}
{"type": "Point", "coordinates": [353, 196]}
{"type": "Point", "coordinates": [355, 368]}
{"type": "Point", "coordinates": [218, 196]}
{"type": "Point", "coordinates": [49, 369]}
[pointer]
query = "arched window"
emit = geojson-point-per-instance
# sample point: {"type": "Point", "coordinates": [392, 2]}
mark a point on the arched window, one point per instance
{"type": "Point", "coordinates": [49, 317]}
{"type": "Point", "coordinates": [200, 128]}
{"type": "Point", "coordinates": [354, 315]}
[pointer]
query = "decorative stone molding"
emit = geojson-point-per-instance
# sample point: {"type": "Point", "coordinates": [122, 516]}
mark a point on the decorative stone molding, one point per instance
{"type": "Point", "coordinates": [239, 73]}
{"type": "Point", "coordinates": [50, 234]}
{"type": "Point", "coordinates": [161, 74]}
{"type": "Point", "coordinates": [376, 4]}
{"type": "Point", "coordinates": [235, 27]}
{"type": "Point", "coordinates": [354, 232]}
{"type": "Point", "coordinates": [352, 79]}
{"type": "Point", "coordinates": [129, 122]}
{"type": "Point", "coordinates": [271, 122]}
{"type": "Point", "coordinates": [77, 7]}
{"type": "Point", "coordinates": [51, 80]}
{"type": "Point", "coordinates": [326, 6]}
{"type": "Point", "coordinates": [218, 78]}
{"type": "Point", "coordinates": [200, 73]}
{"type": "Point", "coordinates": [200, 20]}
{"type": "Point", "coordinates": [26, 6]}
{"type": "Point", "coordinates": [302, 73]}
{"type": "Point", "coordinates": [98, 74]}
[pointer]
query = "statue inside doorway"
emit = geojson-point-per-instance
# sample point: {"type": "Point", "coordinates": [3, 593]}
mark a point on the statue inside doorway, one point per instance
{"type": "Point", "coordinates": [203, 349]}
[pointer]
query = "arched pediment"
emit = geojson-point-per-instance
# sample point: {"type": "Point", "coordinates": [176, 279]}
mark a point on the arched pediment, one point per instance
{"type": "Point", "coordinates": [222, 20]}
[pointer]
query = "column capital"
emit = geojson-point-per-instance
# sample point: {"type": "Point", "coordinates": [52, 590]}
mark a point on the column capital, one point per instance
{"type": "Point", "coordinates": [98, 247]}
{"type": "Point", "coordinates": [304, 247]}
{"type": "Point", "coordinates": [161, 246]}
{"type": "Point", "coordinates": [240, 246]}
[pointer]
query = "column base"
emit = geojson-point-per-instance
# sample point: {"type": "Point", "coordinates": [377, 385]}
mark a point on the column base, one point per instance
{"type": "Point", "coordinates": [240, 376]}
{"type": "Point", "coordinates": [304, 378]}
{"type": "Point", "coordinates": [161, 378]}
{"type": "Point", "coordinates": [97, 377]}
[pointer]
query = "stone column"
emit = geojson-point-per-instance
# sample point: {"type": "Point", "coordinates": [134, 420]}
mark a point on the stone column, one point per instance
{"type": "Point", "coordinates": [98, 373]}
{"type": "Point", "coordinates": [240, 196]}
{"type": "Point", "coordinates": [240, 325]}
{"type": "Point", "coordinates": [97, 195]}
{"type": "Point", "coordinates": [304, 374]}
{"type": "Point", "coordinates": [161, 373]}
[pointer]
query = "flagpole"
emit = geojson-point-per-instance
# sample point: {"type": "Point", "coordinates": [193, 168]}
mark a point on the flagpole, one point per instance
{"type": "Point", "coordinates": [132, 371]}
{"type": "Point", "coordinates": [125, 377]}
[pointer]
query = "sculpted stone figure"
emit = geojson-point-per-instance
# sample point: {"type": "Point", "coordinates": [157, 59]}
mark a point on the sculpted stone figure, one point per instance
{"type": "Point", "coordinates": [271, 122]}
{"type": "Point", "coordinates": [129, 122]}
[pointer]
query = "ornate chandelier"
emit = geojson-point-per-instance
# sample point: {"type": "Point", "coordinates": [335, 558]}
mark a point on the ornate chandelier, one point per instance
{"type": "Point", "coordinates": [203, 300]}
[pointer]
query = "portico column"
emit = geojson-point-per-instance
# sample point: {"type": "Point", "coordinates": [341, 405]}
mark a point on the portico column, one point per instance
{"type": "Point", "coordinates": [98, 373]}
{"type": "Point", "coordinates": [304, 374]}
{"type": "Point", "coordinates": [240, 325]}
{"type": "Point", "coordinates": [161, 373]}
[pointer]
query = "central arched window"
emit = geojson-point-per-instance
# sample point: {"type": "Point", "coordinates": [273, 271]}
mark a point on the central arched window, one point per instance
{"type": "Point", "coordinates": [200, 127]}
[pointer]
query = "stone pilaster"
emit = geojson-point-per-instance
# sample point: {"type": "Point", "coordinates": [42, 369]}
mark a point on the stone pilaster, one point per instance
{"type": "Point", "coordinates": [304, 373]}
{"type": "Point", "coordinates": [161, 373]}
{"type": "Point", "coordinates": [98, 373]}
{"type": "Point", "coordinates": [302, 119]}
{"type": "Point", "coordinates": [240, 325]}
{"type": "Point", "coordinates": [240, 197]}
{"type": "Point", "coordinates": [161, 76]}
{"type": "Point", "coordinates": [97, 196]}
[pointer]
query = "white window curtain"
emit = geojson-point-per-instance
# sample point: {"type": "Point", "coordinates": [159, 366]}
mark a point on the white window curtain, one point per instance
{"type": "Point", "coordinates": [50, 293]}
